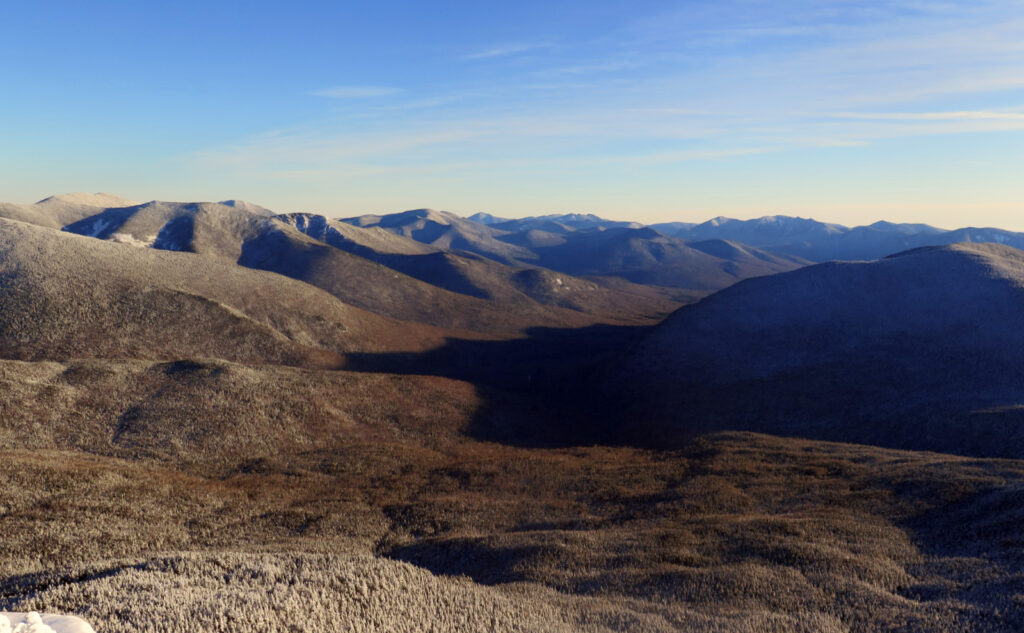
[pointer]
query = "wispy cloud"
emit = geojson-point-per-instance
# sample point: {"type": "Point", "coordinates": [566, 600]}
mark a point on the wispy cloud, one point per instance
{"type": "Point", "coordinates": [641, 101]}
{"type": "Point", "coordinates": [507, 49]}
{"type": "Point", "coordinates": [356, 92]}
{"type": "Point", "coordinates": [432, 102]}
{"type": "Point", "coordinates": [610, 66]}
{"type": "Point", "coordinates": [312, 147]}
{"type": "Point", "coordinates": [962, 115]}
{"type": "Point", "coordinates": [579, 139]}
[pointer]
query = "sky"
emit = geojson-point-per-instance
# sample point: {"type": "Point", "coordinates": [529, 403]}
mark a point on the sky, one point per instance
{"type": "Point", "coordinates": [842, 110]}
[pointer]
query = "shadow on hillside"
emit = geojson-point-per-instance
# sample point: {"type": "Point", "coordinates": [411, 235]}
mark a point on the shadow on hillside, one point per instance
{"type": "Point", "coordinates": [538, 390]}
{"type": "Point", "coordinates": [103, 224]}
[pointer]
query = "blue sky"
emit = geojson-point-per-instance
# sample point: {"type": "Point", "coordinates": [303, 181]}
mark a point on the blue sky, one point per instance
{"type": "Point", "coordinates": [841, 110]}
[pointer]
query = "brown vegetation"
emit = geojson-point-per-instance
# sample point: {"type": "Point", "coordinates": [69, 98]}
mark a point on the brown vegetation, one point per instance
{"type": "Point", "coordinates": [739, 533]}
{"type": "Point", "coordinates": [736, 533]}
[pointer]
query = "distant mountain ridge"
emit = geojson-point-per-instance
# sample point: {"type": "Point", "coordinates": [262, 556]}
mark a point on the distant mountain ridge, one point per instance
{"type": "Point", "coordinates": [439, 268]}
{"type": "Point", "coordinates": [513, 241]}
{"type": "Point", "coordinates": [822, 241]}
{"type": "Point", "coordinates": [446, 230]}
{"type": "Point", "coordinates": [803, 238]}
{"type": "Point", "coordinates": [569, 220]}
{"type": "Point", "coordinates": [784, 235]}
{"type": "Point", "coordinates": [586, 245]}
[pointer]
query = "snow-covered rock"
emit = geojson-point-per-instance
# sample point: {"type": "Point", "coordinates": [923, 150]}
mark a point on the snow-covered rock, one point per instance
{"type": "Point", "coordinates": [33, 622]}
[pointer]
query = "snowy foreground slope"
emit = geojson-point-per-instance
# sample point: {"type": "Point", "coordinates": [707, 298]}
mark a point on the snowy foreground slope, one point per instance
{"type": "Point", "coordinates": [33, 622]}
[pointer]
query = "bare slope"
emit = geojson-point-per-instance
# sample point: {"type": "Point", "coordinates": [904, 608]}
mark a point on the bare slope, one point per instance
{"type": "Point", "coordinates": [64, 296]}
{"type": "Point", "coordinates": [921, 350]}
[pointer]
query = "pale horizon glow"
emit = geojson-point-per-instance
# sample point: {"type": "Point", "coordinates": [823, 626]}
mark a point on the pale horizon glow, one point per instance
{"type": "Point", "coordinates": [906, 111]}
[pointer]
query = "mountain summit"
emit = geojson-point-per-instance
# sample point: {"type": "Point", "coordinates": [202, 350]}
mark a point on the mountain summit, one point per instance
{"type": "Point", "coordinates": [863, 352]}
{"type": "Point", "coordinates": [100, 199]}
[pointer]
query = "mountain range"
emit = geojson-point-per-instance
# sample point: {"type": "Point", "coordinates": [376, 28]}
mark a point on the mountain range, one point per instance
{"type": "Point", "coordinates": [782, 235]}
{"type": "Point", "coordinates": [558, 241]}
{"type": "Point", "coordinates": [821, 241]}
{"type": "Point", "coordinates": [585, 245]}
{"type": "Point", "coordinates": [368, 268]}
{"type": "Point", "coordinates": [214, 413]}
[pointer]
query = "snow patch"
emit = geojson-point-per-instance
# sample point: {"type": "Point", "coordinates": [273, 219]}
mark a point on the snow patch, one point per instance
{"type": "Point", "coordinates": [131, 240]}
{"type": "Point", "coordinates": [98, 227]}
{"type": "Point", "coordinates": [33, 622]}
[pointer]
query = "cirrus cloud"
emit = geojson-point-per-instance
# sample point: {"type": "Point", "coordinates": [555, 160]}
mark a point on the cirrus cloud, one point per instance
{"type": "Point", "coordinates": [356, 92]}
